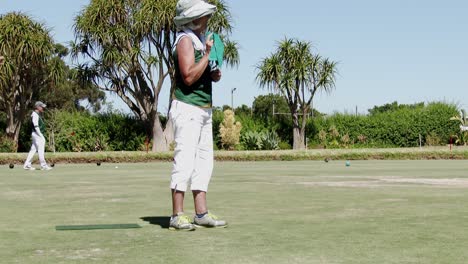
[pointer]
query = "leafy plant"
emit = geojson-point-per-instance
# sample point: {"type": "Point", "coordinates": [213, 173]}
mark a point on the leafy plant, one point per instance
{"type": "Point", "coordinates": [252, 140]}
{"type": "Point", "coordinates": [269, 141]}
{"type": "Point", "coordinates": [462, 138]}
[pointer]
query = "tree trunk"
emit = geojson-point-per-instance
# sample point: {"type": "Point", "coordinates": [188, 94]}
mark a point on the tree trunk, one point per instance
{"type": "Point", "coordinates": [298, 133]}
{"type": "Point", "coordinates": [13, 128]}
{"type": "Point", "coordinates": [160, 143]}
{"type": "Point", "coordinates": [299, 143]}
{"type": "Point", "coordinates": [169, 132]}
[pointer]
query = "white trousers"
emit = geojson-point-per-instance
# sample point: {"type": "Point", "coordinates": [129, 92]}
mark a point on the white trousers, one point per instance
{"type": "Point", "coordinates": [38, 145]}
{"type": "Point", "coordinates": [193, 156]}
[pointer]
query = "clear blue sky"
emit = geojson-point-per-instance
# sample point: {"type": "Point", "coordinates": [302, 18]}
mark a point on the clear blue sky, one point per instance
{"type": "Point", "coordinates": [409, 51]}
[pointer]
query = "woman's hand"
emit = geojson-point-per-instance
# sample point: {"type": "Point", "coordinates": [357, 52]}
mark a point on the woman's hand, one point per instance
{"type": "Point", "coordinates": [209, 43]}
{"type": "Point", "coordinates": [216, 75]}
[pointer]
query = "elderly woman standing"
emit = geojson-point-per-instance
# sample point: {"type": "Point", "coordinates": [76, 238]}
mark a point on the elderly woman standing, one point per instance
{"type": "Point", "coordinates": [191, 115]}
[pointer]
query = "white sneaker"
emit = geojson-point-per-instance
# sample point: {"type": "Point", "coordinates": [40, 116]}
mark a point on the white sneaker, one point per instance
{"type": "Point", "coordinates": [209, 220]}
{"type": "Point", "coordinates": [46, 168]}
{"type": "Point", "coordinates": [29, 168]}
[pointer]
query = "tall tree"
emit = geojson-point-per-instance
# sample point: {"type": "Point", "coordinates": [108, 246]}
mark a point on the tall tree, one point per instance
{"type": "Point", "coordinates": [265, 105]}
{"type": "Point", "coordinates": [295, 72]}
{"type": "Point", "coordinates": [28, 48]}
{"type": "Point", "coordinates": [70, 92]}
{"type": "Point", "coordinates": [129, 44]}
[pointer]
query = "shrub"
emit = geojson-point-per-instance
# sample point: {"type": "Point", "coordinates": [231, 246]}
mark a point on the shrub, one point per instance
{"type": "Point", "coordinates": [433, 140]}
{"type": "Point", "coordinates": [252, 140]}
{"type": "Point", "coordinates": [230, 131]}
{"type": "Point", "coordinates": [362, 139]}
{"type": "Point", "coordinates": [284, 145]}
{"type": "Point", "coordinates": [7, 145]}
{"type": "Point", "coordinates": [270, 141]}
{"type": "Point", "coordinates": [322, 136]}
{"type": "Point", "coordinates": [217, 117]}
{"type": "Point", "coordinates": [345, 140]}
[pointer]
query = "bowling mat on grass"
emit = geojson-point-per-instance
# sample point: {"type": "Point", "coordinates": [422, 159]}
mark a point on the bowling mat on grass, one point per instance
{"type": "Point", "coordinates": [96, 227]}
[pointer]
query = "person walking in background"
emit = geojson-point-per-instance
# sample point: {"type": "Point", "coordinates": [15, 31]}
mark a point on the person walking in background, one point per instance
{"type": "Point", "coordinates": [38, 138]}
{"type": "Point", "coordinates": [191, 115]}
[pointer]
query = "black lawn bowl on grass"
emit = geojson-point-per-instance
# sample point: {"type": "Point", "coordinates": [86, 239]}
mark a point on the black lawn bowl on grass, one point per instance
{"type": "Point", "coordinates": [279, 212]}
{"type": "Point", "coordinates": [12, 166]}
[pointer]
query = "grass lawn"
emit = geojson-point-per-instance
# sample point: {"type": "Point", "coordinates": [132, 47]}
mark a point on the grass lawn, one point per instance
{"type": "Point", "coordinates": [279, 212]}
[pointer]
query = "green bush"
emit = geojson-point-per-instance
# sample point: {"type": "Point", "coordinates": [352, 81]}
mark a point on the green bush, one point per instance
{"type": "Point", "coordinates": [217, 118]}
{"type": "Point", "coordinates": [7, 145]}
{"type": "Point", "coordinates": [81, 131]}
{"type": "Point", "coordinates": [399, 128]}
{"type": "Point", "coordinates": [284, 145]}
{"type": "Point", "coordinates": [251, 140]}
{"type": "Point", "coordinates": [270, 141]}
{"type": "Point", "coordinates": [124, 132]}
{"type": "Point", "coordinates": [433, 140]}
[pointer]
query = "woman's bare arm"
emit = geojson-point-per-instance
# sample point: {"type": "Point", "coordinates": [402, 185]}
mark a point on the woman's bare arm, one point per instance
{"type": "Point", "coordinates": [191, 72]}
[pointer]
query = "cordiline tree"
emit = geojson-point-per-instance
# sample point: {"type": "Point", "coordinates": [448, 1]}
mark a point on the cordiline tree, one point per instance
{"type": "Point", "coordinates": [127, 46]}
{"type": "Point", "coordinates": [295, 72]}
{"type": "Point", "coordinates": [28, 50]}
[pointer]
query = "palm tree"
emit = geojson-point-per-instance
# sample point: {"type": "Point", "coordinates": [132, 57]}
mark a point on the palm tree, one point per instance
{"type": "Point", "coordinates": [297, 74]}
{"type": "Point", "coordinates": [28, 49]}
{"type": "Point", "coordinates": [128, 46]}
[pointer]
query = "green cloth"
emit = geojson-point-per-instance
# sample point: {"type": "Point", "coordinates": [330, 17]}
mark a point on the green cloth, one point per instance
{"type": "Point", "coordinates": [198, 94]}
{"type": "Point", "coordinates": [217, 51]}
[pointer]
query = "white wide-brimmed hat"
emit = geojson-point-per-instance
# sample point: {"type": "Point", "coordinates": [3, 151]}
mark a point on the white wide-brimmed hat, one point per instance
{"type": "Point", "coordinates": [189, 10]}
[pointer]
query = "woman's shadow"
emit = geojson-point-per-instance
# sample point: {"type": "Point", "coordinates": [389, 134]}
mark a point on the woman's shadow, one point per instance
{"type": "Point", "coordinates": [162, 221]}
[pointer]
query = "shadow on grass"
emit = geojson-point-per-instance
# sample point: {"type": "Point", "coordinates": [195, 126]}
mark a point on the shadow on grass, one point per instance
{"type": "Point", "coordinates": [162, 221]}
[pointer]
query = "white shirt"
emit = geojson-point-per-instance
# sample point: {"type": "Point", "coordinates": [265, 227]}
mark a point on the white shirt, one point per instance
{"type": "Point", "coordinates": [35, 120]}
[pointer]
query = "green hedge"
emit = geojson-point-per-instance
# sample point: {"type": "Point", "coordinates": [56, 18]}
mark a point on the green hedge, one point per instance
{"type": "Point", "coordinates": [82, 132]}
{"type": "Point", "coordinates": [400, 128]}
{"type": "Point", "coordinates": [397, 127]}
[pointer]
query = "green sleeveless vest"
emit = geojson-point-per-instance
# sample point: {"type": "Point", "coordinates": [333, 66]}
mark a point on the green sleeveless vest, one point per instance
{"type": "Point", "coordinates": [42, 126]}
{"type": "Point", "coordinates": [200, 93]}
